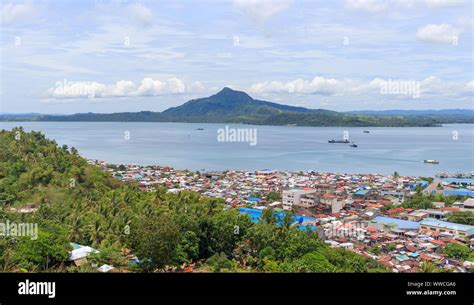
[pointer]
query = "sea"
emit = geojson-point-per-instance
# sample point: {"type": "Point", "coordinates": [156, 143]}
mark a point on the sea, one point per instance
{"type": "Point", "coordinates": [217, 147]}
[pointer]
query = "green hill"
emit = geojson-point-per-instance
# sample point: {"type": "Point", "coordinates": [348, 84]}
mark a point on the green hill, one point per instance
{"type": "Point", "coordinates": [231, 106]}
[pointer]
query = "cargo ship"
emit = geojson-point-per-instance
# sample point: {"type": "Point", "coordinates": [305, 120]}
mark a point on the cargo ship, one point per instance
{"type": "Point", "coordinates": [345, 141]}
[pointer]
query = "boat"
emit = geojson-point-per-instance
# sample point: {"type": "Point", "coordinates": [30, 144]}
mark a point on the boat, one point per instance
{"type": "Point", "coordinates": [199, 128]}
{"type": "Point", "coordinates": [431, 161]}
{"type": "Point", "coordinates": [366, 131]}
{"type": "Point", "coordinates": [353, 144]}
{"type": "Point", "coordinates": [345, 141]}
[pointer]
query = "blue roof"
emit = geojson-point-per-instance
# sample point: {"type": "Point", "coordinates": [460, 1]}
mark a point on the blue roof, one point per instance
{"type": "Point", "coordinates": [254, 199]}
{"type": "Point", "coordinates": [460, 192]}
{"type": "Point", "coordinates": [255, 215]}
{"type": "Point", "coordinates": [361, 192]}
{"type": "Point", "coordinates": [401, 224]}
{"type": "Point", "coordinates": [402, 258]}
{"type": "Point", "coordinates": [423, 183]}
{"type": "Point", "coordinates": [447, 225]}
{"type": "Point", "coordinates": [459, 180]}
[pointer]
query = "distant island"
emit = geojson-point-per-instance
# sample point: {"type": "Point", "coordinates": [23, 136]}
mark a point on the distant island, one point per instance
{"type": "Point", "coordinates": [231, 106]}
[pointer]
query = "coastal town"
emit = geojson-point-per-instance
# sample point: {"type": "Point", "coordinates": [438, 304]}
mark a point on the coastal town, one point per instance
{"type": "Point", "coordinates": [363, 213]}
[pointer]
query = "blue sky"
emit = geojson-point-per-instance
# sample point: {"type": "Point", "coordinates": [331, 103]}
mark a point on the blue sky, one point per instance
{"type": "Point", "coordinates": [112, 56]}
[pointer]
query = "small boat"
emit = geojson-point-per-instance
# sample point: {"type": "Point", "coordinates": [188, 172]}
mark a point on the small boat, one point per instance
{"type": "Point", "coordinates": [366, 131]}
{"type": "Point", "coordinates": [353, 144]}
{"type": "Point", "coordinates": [431, 161]}
{"type": "Point", "coordinates": [345, 141]}
{"type": "Point", "coordinates": [199, 128]}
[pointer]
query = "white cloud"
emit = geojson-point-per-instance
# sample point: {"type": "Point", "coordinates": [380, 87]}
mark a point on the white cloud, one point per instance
{"type": "Point", "coordinates": [261, 10]}
{"type": "Point", "coordinates": [11, 13]}
{"type": "Point", "coordinates": [124, 88]}
{"type": "Point", "coordinates": [379, 6]}
{"type": "Point", "coordinates": [371, 6]}
{"type": "Point", "coordinates": [428, 87]}
{"type": "Point", "coordinates": [438, 33]}
{"type": "Point", "coordinates": [469, 87]}
{"type": "Point", "coordinates": [318, 85]}
{"type": "Point", "coordinates": [140, 14]}
{"type": "Point", "coordinates": [445, 3]}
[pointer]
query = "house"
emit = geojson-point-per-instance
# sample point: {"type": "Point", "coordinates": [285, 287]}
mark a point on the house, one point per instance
{"type": "Point", "coordinates": [394, 223]}
{"type": "Point", "coordinates": [79, 254]}
{"type": "Point", "coordinates": [364, 194]}
{"type": "Point", "coordinates": [396, 211]}
{"type": "Point", "coordinates": [417, 216]}
{"type": "Point", "coordinates": [436, 214]}
{"type": "Point", "coordinates": [438, 226]}
{"type": "Point", "coordinates": [292, 198]}
{"type": "Point", "coordinates": [459, 192]}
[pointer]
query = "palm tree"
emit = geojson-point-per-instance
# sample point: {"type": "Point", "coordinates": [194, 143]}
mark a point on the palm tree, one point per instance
{"type": "Point", "coordinates": [428, 267]}
{"type": "Point", "coordinates": [75, 232]}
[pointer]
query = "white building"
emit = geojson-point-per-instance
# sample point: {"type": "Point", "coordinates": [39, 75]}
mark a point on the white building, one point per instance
{"type": "Point", "coordinates": [292, 198]}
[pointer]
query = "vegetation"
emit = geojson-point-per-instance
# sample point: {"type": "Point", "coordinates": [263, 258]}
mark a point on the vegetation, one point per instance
{"type": "Point", "coordinates": [77, 202]}
{"type": "Point", "coordinates": [229, 106]}
{"type": "Point", "coordinates": [456, 251]}
{"type": "Point", "coordinates": [466, 217]}
{"type": "Point", "coordinates": [424, 201]}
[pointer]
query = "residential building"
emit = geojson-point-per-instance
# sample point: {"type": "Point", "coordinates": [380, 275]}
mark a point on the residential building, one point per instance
{"type": "Point", "coordinates": [438, 226]}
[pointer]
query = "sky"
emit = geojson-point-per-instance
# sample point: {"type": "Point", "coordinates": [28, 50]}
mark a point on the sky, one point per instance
{"type": "Point", "coordinates": [75, 56]}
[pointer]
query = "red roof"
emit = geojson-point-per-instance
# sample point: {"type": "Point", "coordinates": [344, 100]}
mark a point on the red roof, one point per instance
{"type": "Point", "coordinates": [375, 205]}
{"type": "Point", "coordinates": [450, 209]}
{"type": "Point", "coordinates": [395, 211]}
{"type": "Point", "coordinates": [437, 242]}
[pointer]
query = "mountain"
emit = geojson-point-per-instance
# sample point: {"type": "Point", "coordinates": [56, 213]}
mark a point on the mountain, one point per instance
{"type": "Point", "coordinates": [231, 106]}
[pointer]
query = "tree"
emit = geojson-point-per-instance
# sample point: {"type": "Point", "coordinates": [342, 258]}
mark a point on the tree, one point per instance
{"type": "Point", "coordinates": [273, 196]}
{"type": "Point", "coordinates": [268, 216]}
{"type": "Point", "coordinates": [466, 217]}
{"type": "Point", "coordinates": [49, 249]}
{"type": "Point", "coordinates": [456, 251]}
{"type": "Point", "coordinates": [222, 231]}
{"type": "Point", "coordinates": [155, 241]}
{"type": "Point", "coordinates": [391, 247]}
{"type": "Point", "coordinates": [375, 250]}
{"type": "Point", "coordinates": [428, 267]}
{"type": "Point", "coordinates": [220, 263]}
{"type": "Point", "coordinates": [188, 248]}
{"type": "Point", "coordinates": [312, 262]}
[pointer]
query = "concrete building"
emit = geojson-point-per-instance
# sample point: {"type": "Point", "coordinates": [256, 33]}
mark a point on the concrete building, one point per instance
{"type": "Point", "coordinates": [292, 198]}
{"type": "Point", "coordinates": [437, 226]}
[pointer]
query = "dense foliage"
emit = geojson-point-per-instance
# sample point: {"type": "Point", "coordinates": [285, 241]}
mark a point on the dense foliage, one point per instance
{"type": "Point", "coordinates": [78, 202]}
{"type": "Point", "coordinates": [465, 218]}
